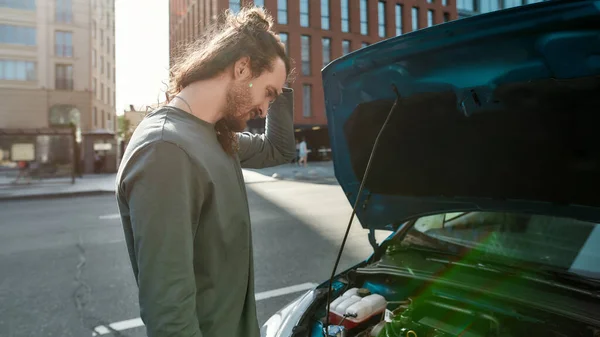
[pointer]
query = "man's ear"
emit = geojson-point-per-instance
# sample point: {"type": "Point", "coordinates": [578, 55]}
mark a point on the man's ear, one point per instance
{"type": "Point", "coordinates": [241, 69]}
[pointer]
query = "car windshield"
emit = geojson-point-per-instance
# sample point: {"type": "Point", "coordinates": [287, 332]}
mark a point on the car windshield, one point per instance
{"type": "Point", "coordinates": [517, 239]}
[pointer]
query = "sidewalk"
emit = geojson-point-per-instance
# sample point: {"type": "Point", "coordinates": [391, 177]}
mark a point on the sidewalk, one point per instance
{"type": "Point", "coordinates": [315, 172]}
{"type": "Point", "coordinates": [105, 183]}
{"type": "Point", "coordinates": [52, 188]}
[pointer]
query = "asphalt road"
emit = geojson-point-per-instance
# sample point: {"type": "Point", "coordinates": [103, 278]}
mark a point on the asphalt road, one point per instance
{"type": "Point", "coordinates": [64, 268]}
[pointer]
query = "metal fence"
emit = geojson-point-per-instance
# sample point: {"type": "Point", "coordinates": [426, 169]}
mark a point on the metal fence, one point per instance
{"type": "Point", "coordinates": [38, 155]}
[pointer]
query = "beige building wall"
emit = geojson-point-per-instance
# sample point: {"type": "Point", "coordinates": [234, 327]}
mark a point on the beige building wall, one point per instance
{"type": "Point", "coordinates": [103, 65]}
{"type": "Point", "coordinates": [26, 102]}
{"type": "Point", "coordinates": [23, 108]}
{"type": "Point", "coordinates": [135, 118]}
{"type": "Point", "coordinates": [26, 108]}
{"type": "Point", "coordinates": [16, 106]}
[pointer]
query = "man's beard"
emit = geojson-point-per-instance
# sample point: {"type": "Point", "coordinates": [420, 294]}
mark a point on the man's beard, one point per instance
{"type": "Point", "coordinates": [235, 115]}
{"type": "Point", "coordinates": [237, 106]}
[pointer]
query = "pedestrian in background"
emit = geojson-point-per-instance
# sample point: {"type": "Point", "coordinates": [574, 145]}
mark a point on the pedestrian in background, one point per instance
{"type": "Point", "coordinates": [303, 152]}
{"type": "Point", "coordinates": [180, 188]}
{"type": "Point", "coordinates": [297, 159]}
{"type": "Point", "coordinates": [24, 171]}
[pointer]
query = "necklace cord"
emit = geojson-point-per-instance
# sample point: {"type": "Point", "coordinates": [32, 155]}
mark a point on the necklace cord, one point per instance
{"type": "Point", "coordinates": [186, 103]}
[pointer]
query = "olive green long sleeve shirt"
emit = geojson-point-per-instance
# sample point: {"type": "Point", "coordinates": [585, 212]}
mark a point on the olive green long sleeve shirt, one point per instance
{"type": "Point", "coordinates": [186, 221]}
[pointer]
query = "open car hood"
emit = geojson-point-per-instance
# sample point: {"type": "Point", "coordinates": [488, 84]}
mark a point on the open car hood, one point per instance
{"type": "Point", "coordinates": [499, 111]}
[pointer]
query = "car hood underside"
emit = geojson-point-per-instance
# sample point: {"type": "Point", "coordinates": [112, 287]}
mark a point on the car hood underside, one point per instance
{"type": "Point", "coordinates": [495, 112]}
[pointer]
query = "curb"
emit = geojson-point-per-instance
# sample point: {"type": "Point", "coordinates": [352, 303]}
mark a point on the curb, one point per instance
{"type": "Point", "coordinates": [55, 195]}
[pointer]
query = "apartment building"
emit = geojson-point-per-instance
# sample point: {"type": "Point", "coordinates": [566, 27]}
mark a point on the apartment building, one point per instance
{"type": "Point", "coordinates": [468, 8]}
{"type": "Point", "coordinates": [57, 66]}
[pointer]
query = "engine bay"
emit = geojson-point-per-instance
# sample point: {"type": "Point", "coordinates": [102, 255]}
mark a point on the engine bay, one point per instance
{"type": "Point", "coordinates": [412, 308]}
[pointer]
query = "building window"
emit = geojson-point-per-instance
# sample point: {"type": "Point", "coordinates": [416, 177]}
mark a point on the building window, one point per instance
{"type": "Point", "coordinates": [364, 17]}
{"type": "Point", "coordinates": [108, 45]}
{"type": "Point", "coordinates": [259, 3]}
{"type": "Point", "coordinates": [305, 45]}
{"type": "Point", "coordinates": [95, 116]}
{"type": "Point", "coordinates": [63, 44]}
{"type": "Point", "coordinates": [444, 2]}
{"type": "Point", "coordinates": [381, 18]}
{"type": "Point", "coordinates": [282, 12]}
{"type": "Point", "coordinates": [430, 18]}
{"type": "Point", "coordinates": [415, 18]}
{"type": "Point", "coordinates": [364, 44]}
{"type": "Point", "coordinates": [235, 5]}
{"type": "Point", "coordinates": [468, 5]}
{"type": "Point", "coordinates": [20, 35]}
{"type": "Point", "coordinates": [28, 5]}
{"type": "Point", "coordinates": [304, 13]}
{"type": "Point", "coordinates": [284, 39]}
{"type": "Point", "coordinates": [94, 89]}
{"type": "Point", "coordinates": [108, 70]}
{"type": "Point", "coordinates": [94, 58]}
{"type": "Point", "coordinates": [64, 114]}
{"type": "Point", "coordinates": [345, 47]}
{"type": "Point", "coordinates": [306, 100]}
{"type": "Point", "coordinates": [17, 70]}
{"type": "Point", "coordinates": [108, 95]}
{"type": "Point", "coordinates": [325, 21]}
{"type": "Point", "coordinates": [63, 11]}
{"type": "Point", "coordinates": [398, 20]}
{"type": "Point", "coordinates": [101, 64]}
{"type": "Point", "coordinates": [446, 17]}
{"type": "Point", "coordinates": [94, 29]}
{"type": "Point", "coordinates": [64, 77]}
{"type": "Point", "coordinates": [326, 50]}
{"type": "Point", "coordinates": [345, 16]}
{"type": "Point", "coordinates": [486, 6]}
{"type": "Point", "coordinates": [103, 118]}
{"type": "Point", "coordinates": [102, 92]}
{"type": "Point", "coordinates": [509, 3]}
{"type": "Point", "coordinates": [429, 1]}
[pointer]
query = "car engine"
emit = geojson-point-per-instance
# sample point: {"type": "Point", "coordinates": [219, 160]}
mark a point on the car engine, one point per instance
{"type": "Point", "coordinates": [376, 310]}
{"type": "Point", "coordinates": [435, 319]}
{"type": "Point", "coordinates": [367, 315]}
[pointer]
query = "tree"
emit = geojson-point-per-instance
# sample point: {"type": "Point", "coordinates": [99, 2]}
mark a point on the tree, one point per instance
{"type": "Point", "coordinates": [124, 128]}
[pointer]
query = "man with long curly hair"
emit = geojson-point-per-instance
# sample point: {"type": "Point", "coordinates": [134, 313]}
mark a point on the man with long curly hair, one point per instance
{"type": "Point", "coordinates": [180, 188]}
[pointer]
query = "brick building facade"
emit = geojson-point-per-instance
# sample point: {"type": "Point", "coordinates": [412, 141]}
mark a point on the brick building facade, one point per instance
{"type": "Point", "coordinates": [315, 32]}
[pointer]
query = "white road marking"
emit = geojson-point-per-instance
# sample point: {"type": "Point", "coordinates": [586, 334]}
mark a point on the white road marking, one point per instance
{"type": "Point", "coordinates": [118, 326]}
{"type": "Point", "coordinates": [110, 216]}
{"type": "Point", "coordinates": [284, 291]}
{"type": "Point", "coordinates": [137, 322]}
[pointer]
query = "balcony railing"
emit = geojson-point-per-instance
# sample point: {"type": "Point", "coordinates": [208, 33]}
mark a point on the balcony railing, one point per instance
{"type": "Point", "coordinates": [64, 83]}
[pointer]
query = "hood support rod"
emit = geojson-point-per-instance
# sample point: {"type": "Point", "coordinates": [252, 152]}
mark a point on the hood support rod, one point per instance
{"type": "Point", "coordinates": [356, 203]}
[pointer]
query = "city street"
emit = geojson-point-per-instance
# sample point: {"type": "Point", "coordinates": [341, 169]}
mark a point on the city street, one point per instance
{"type": "Point", "coordinates": [65, 268]}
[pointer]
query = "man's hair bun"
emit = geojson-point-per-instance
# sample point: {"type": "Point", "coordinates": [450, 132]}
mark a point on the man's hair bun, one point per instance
{"type": "Point", "coordinates": [251, 19]}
